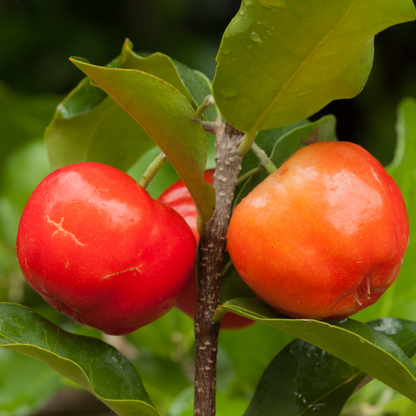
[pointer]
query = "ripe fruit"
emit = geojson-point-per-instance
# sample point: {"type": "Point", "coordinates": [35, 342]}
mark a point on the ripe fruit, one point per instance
{"type": "Point", "coordinates": [322, 237]}
{"type": "Point", "coordinates": [178, 197]}
{"type": "Point", "coordinates": [96, 246]}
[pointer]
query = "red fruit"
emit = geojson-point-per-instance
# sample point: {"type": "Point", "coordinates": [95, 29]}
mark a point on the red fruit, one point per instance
{"type": "Point", "coordinates": [178, 197]}
{"type": "Point", "coordinates": [96, 246]}
{"type": "Point", "coordinates": [322, 237]}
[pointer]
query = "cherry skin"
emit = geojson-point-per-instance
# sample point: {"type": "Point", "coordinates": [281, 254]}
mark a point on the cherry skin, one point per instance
{"type": "Point", "coordinates": [96, 246]}
{"type": "Point", "coordinates": [322, 237]}
{"type": "Point", "coordinates": [178, 197]}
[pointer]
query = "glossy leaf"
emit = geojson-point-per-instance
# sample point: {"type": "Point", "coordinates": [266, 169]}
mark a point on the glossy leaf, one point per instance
{"type": "Point", "coordinates": [90, 126]}
{"type": "Point", "coordinates": [89, 362]}
{"type": "Point", "coordinates": [400, 299]}
{"type": "Point", "coordinates": [286, 382]}
{"type": "Point", "coordinates": [351, 341]}
{"type": "Point", "coordinates": [167, 117]}
{"type": "Point", "coordinates": [283, 60]}
{"type": "Point", "coordinates": [194, 85]}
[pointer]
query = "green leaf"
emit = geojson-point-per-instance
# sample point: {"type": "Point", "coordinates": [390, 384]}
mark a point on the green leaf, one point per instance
{"type": "Point", "coordinates": [286, 382]}
{"type": "Point", "coordinates": [84, 130]}
{"type": "Point", "coordinates": [400, 299]}
{"type": "Point", "coordinates": [283, 60]}
{"type": "Point", "coordinates": [89, 362]}
{"type": "Point", "coordinates": [90, 126]}
{"type": "Point", "coordinates": [351, 341]}
{"type": "Point", "coordinates": [194, 85]}
{"type": "Point", "coordinates": [167, 117]}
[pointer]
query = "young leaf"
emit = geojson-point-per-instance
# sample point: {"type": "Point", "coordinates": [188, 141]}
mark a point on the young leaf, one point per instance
{"type": "Point", "coordinates": [283, 60]}
{"type": "Point", "coordinates": [286, 382]}
{"type": "Point", "coordinates": [167, 117]}
{"type": "Point", "coordinates": [90, 126]}
{"type": "Point", "coordinates": [102, 132]}
{"type": "Point", "coordinates": [351, 341]}
{"type": "Point", "coordinates": [89, 362]}
{"type": "Point", "coordinates": [194, 85]}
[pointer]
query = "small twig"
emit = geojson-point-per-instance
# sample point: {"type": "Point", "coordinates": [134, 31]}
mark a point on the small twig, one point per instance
{"type": "Point", "coordinates": [246, 143]}
{"type": "Point", "coordinates": [208, 102]}
{"type": "Point", "coordinates": [218, 315]}
{"type": "Point", "coordinates": [209, 126]}
{"type": "Point", "coordinates": [153, 168]}
{"type": "Point", "coordinates": [226, 267]}
{"type": "Point", "coordinates": [249, 174]}
{"type": "Point", "coordinates": [264, 159]}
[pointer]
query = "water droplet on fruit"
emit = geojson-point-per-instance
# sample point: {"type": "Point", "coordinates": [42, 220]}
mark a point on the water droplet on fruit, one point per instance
{"type": "Point", "coordinates": [226, 35]}
{"type": "Point", "coordinates": [165, 306]}
{"type": "Point", "coordinates": [255, 37]}
{"type": "Point", "coordinates": [241, 12]}
{"type": "Point", "coordinates": [249, 2]}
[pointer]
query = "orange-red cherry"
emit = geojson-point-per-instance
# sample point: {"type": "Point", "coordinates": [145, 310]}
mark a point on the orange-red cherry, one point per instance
{"type": "Point", "coordinates": [322, 237]}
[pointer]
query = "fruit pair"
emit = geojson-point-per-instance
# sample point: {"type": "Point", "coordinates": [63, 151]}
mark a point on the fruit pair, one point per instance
{"type": "Point", "coordinates": [322, 237]}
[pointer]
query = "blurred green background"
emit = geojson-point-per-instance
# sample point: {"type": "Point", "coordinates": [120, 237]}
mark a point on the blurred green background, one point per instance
{"type": "Point", "coordinates": [36, 39]}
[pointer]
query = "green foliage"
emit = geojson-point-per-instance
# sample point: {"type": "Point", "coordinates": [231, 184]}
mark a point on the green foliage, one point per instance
{"type": "Point", "coordinates": [281, 61]}
{"type": "Point", "coordinates": [286, 382]}
{"type": "Point", "coordinates": [94, 365]}
{"type": "Point", "coordinates": [349, 340]}
{"type": "Point", "coordinates": [24, 395]}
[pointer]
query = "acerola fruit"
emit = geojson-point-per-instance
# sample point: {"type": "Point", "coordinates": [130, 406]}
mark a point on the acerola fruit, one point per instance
{"type": "Point", "coordinates": [322, 237]}
{"type": "Point", "coordinates": [96, 246]}
{"type": "Point", "coordinates": [178, 197]}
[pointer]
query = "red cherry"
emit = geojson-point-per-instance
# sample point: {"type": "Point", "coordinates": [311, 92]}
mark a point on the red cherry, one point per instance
{"type": "Point", "coordinates": [96, 246]}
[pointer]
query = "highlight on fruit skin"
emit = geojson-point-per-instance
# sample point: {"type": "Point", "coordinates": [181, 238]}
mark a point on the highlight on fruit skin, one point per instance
{"type": "Point", "coordinates": [97, 247]}
{"type": "Point", "coordinates": [322, 237]}
{"type": "Point", "coordinates": [178, 197]}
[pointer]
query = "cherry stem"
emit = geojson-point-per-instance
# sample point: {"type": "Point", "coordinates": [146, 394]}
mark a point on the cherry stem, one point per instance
{"type": "Point", "coordinates": [249, 174]}
{"type": "Point", "coordinates": [208, 102]}
{"type": "Point", "coordinates": [153, 168]}
{"type": "Point", "coordinates": [264, 159]}
{"type": "Point", "coordinates": [218, 315]}
{"type": "Point", "coordinates": [247, 143]}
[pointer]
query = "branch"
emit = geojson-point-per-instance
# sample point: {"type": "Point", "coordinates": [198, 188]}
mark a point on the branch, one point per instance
{"type": "Point", "coordinates": [212, 246]}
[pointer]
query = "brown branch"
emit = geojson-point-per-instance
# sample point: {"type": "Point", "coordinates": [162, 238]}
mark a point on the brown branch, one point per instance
{"type": "Point", "coordinates": [212, 246]}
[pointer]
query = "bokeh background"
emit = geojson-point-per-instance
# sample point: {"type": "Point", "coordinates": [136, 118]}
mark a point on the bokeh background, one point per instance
{"type": "Point", "coordinates": [36, 39]}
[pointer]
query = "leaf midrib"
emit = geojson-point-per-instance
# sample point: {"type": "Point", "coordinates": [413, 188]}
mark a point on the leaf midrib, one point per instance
{"type": "Point", "coordinates": [270, 107]}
